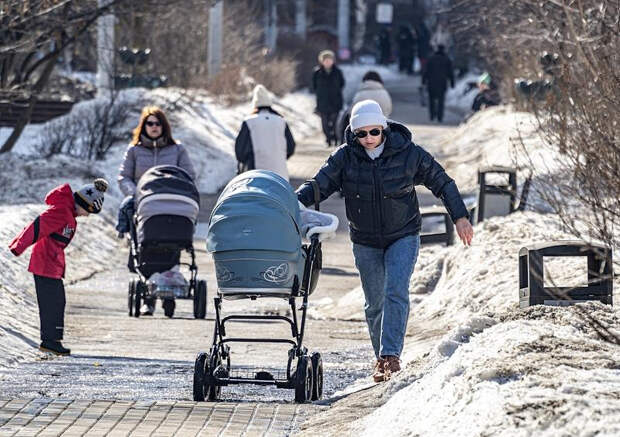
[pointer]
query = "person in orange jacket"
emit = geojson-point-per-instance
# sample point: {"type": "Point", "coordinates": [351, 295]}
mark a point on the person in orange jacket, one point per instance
{"type": "Point", "coordinates": [51, 232]}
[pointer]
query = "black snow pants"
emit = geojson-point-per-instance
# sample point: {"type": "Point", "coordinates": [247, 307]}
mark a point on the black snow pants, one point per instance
{"type": "Point", "coordinates": [328, 121]}
{"type": "Point", "coordinates": [51, 300]}
{"type": "Point", "coordinates": [436, 100]}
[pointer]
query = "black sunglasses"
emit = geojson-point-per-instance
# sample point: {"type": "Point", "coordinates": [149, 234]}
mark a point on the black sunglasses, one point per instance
{"type": "Point", "coordinates": [373, 132]}
{"type": "Point", "coordinates": [153, 123]}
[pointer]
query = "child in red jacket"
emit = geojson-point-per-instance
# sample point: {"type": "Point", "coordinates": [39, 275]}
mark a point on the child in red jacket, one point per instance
{"type": "Point", "coordinates": [50, 233]}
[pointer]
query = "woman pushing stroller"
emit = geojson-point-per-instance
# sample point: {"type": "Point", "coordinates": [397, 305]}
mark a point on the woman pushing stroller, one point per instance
{"type": "Point", "coordinates": [377, 170]}
{"type": "Point", "coordinates": [152, 145]}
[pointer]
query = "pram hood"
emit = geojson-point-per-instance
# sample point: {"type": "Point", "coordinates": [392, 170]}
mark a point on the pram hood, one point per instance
{"type": "Point", "coordinates": [258, 210]}
{"type": "Point", "coordinates": [166, 189]}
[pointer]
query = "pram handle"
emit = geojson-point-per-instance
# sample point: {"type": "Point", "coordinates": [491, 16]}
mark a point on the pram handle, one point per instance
{"type": "Point", "coordinates": [317, 193]}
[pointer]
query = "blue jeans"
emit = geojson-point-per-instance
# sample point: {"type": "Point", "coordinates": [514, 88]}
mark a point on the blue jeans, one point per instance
{"type": "Point", "coordinates": [385, 275]}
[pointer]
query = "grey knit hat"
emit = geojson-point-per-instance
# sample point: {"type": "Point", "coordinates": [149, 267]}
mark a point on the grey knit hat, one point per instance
{"type": "Point", "coordinates": [90, 196]}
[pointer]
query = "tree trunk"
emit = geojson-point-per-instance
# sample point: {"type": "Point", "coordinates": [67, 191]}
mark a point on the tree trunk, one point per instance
{"type": "Point", "coordinates": [25, 117]}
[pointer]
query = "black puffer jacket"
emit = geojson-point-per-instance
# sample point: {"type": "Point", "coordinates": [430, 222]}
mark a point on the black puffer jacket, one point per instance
{"type": "Point", "coordinates": [380, 197]}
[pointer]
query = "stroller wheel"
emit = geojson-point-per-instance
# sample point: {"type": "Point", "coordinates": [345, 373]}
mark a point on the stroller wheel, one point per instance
{"type": "Point", "coordinates": [200, 300]}
{"type": "Point", "coordinates": [137, 298]}
{"type": "Point", "coordinates": [317, 369]}
{"type": "Point", "coordinates": [200, 371]}
{"type": "Point", "coordinates": [304, 378]}
{"type": "Point", "coordinates": [131, 293]}
{"type": "Point", "coordinates": [169, 306]}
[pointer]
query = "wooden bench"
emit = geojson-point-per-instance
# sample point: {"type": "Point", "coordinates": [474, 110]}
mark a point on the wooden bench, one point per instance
{"type": "Point", "coordinates": [44, 110]}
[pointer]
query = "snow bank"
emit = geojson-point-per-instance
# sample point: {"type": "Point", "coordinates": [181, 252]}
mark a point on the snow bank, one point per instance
{"type": "Point", "coordinates": [474, 362]}
{"type": "Point", "coordinates": [207, 129]}
{"type": "Point", "coordinates": [461, 97]}
{"type": "Point", "coordinates": [540, 372]}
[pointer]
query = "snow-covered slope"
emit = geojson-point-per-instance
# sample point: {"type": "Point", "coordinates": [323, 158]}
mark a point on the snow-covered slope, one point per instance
{"type": "Point", "coordinates": [475, 363]}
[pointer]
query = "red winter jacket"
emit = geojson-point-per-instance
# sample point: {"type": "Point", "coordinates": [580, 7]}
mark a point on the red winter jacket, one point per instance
{"type": "Point", "coordinates": [50, 233]}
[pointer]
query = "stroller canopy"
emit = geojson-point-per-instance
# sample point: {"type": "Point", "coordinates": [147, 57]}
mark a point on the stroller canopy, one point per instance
{"type": "Point", "coordinates": [167, 189]}
{"type": "Point", "coordinates": [257, 210]}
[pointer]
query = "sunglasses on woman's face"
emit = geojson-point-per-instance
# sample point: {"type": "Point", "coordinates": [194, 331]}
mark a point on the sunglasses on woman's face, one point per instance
{"type": "Point", "coordinates": [153, 123]}
{"type": "Point", "coordinates": [373, 133]}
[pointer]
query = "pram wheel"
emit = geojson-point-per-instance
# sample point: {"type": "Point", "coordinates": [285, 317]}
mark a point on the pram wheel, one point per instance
{"type": "Point", "coordinates": [303, 379]}
{"type": "Point", "coordinates": [136, 291]}
{"type": "Point", "coordinates": [168, 305]}
{"type": "Point", "coordinates": [200, 300]}
{"type": "Point", "coordinates": [202, 374]}
{"type": "Point", "coordinates": [317, 369]}
{"type": "Point", "coordinates": [131, 296]}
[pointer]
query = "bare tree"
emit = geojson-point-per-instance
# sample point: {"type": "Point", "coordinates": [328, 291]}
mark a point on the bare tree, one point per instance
{"type": "Point", "coordinates": [579, 43]}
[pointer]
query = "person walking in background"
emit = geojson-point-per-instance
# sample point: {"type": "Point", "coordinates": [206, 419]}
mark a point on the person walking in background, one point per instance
{"type": "Point", "coordinates": [377, 169]}
{"type": "Point", "coordinates": [438, 73]}
{"type": "Point", "coordinates": [487, 93]}
{"type": "Point", "coordinates": [406, 43]}
{"type": "Point", "coordinates": [372, 88]}
{"type": "Point", "coordinates": [327, 84]}
{"type": "Point", "coordinates": [423, 38]}
{"type": "Point", "coordinates": [152, 145]}
{"type": "Point", "coordinates": [51, 232]}
{"type": "Point", "coordinates": [265, 140]}
{"type": "Point", "coordinates": [384, 46]}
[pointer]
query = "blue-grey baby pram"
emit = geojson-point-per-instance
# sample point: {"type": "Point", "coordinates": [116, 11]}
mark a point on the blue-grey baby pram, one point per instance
{"type": "Point", "coordinates": [255, 238]}
{"type": "Point", "coordinates": [166, 210]}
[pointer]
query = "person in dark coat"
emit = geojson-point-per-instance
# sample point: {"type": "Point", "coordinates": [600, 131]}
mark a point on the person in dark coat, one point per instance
{"type": "Point", "coordinates": [406, 42]}
{"type": "Point", "coordinates": [377, 169]}
{"type": "Point", "coordinates": [487, 94]}
{"type": "Point", "coordinates": [438, 73]}
{"type": "Point", "coordinates": [327, 84]}
{"type": "Point", "coordinates": [384, 46]}
{"type": "Point", "coordinates": [423, 39]}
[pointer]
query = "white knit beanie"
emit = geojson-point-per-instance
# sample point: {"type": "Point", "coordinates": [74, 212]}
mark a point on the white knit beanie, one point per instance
{"type": "Point", "coordinates": [367, 113]}
{"type": "Point", "coordinates": [261, 97]}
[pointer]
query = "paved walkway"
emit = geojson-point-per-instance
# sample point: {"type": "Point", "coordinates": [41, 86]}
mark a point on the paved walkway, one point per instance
{"type": "Point", "coordinates": [133, 366]}
{"type": "Point", "coordinates": [46, 417]}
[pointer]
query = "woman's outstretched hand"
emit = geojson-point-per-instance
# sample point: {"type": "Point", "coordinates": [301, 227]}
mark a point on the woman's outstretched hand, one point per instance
{"type": "Point", "coordinates": [465, 230]}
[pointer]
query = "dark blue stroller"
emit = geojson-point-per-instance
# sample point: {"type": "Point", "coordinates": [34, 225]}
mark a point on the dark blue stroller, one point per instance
{"type": "Point", "coordinates": [255, 236]}
{"type": "Point", "coordinates": [167, 204]}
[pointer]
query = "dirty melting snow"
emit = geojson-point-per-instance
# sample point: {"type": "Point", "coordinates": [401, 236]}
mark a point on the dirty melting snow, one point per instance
{"type": "Point", "coordinates": [487, 367]}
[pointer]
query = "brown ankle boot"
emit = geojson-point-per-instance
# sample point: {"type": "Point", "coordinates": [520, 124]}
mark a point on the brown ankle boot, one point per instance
{"type": "Point", "coordinates": [378, 372]}
{"type": "Point", "coordinates": [391, 365]}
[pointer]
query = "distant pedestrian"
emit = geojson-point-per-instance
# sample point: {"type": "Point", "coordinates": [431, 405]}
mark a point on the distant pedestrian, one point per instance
{"type": "Point", "coordinates": [265, 140]}
{"type": "Point", "coordinates": [152, 144]}
{"type": "Point", "coordinates": [377, 169]}
{"type": "Point", "coordinates": [372, 88]}
{"type": "Point", "coordinates": [51, 232]}
{"type": "Point", "coordinates": [384, 46]}
{"type": "Point", "coordinates": [327, 84]}
{"type": "Point", "coordinates": [436, 77]}
{"type": "Point", "coordinates": [487, 93]}
{"type": "Point", "coordinates": [423, 39]}
{"type": "Point", "coordinates": [406, 49]}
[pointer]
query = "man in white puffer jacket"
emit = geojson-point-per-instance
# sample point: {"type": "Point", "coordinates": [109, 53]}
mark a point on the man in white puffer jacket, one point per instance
{"type": "Point", "coordinates": [265, 141]}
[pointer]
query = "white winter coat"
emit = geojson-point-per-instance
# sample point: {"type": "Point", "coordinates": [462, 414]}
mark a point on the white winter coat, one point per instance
{"type": "Point", "coordinates": [265, 142]}
{"type": "Point", "coordinates": [373, 90]}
